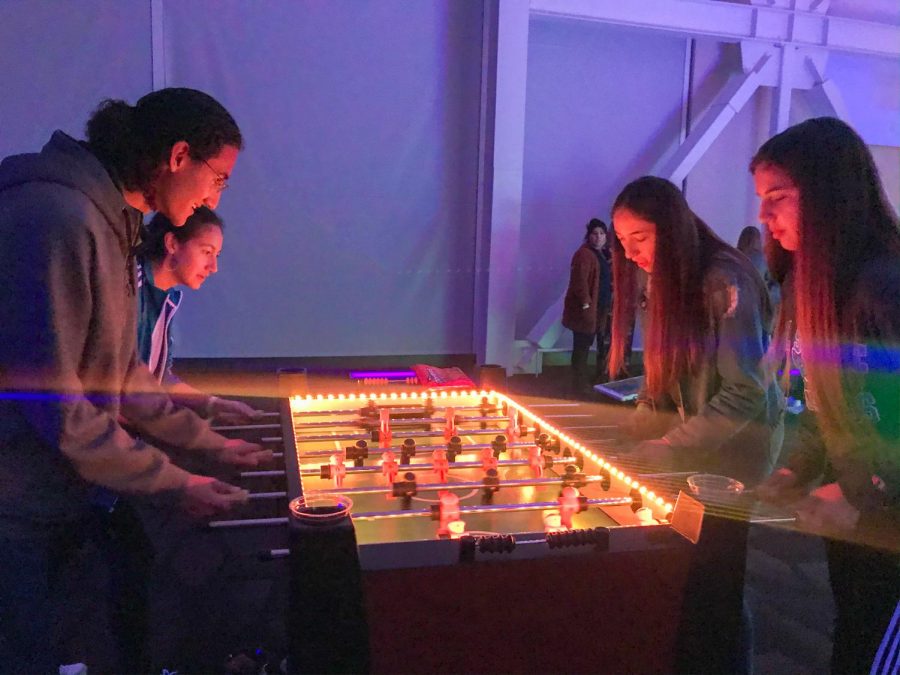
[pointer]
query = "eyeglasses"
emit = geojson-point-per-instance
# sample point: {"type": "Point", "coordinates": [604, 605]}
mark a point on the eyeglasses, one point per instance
{"type": "Point", "coordinates": [221, 181]}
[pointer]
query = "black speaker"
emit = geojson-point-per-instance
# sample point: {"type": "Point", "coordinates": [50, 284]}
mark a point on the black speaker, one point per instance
{"type": "Point", "coordinates": [326, 624]}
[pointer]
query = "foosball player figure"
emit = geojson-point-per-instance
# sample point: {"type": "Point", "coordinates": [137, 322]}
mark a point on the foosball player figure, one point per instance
{"type": "Point", "coordinates": [536, 461]}
{"type": "Point", "coordinates": [338, 470]}
{"type": "Point", "coordinates": [454, 448]}
{"type": "Point", "coordinates": [357, 453]}
{"type": "Point", "coordinates": [570, 503]}
{"type": "Point", "coordinates": [384, 432]}
{"type": "Point", "coordinates": [405, 489]}
{"type": "Point", "coordinates": [389, 466]}
{"type": "Point", "coordinates": [488, 461]}
{"type": "Point", "coordinates": [605, 478]}
{"type": "Point", "coordinates": [369, 413]}
{"type": "Point", "coordinates": [573, 477]}
{"type": "Point", "coordinates": [486, 409]}
{"type": "Point", "coordinates": [498, 445]}
{"type": "Point", "coordinates": [548, 444]}
{"type": "Point", "coordinates": [491, 482]}
{"type": "Point", "coordinates": [429, 407]}
{"type": "Point", "coordinates": [407, 450]}
{"type": "Point", "coordinates": [448, 511]}
{"type": "Point", "coordinates": [450, 424]}
{"type": "Point", "coordinates": [512, 424]}
{"type": "Point", "coordinates": [440, 464]}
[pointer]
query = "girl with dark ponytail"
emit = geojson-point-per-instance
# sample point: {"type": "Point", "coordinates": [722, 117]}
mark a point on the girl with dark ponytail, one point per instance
{"type": "Point", "coordinates": [834, 244]}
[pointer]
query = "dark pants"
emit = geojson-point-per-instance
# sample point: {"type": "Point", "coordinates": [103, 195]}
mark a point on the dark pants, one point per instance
{"type": "Point", "coordinates": [866, 586]}
{"type": "Point", "coordinates": [581, 346]}
{"type": "Point", "coordinates": [33, 569]}
{"type": "Point", "coordinates": [714, 633]}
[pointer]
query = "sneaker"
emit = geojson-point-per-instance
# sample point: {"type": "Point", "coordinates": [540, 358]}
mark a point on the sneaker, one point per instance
{"type": "Point", "coordinates": [794, 406]}
{"type": "Point", "coordinates": [73, 669]}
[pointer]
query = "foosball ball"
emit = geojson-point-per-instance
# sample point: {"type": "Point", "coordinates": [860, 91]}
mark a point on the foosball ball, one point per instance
{"type": "Point", "coordinates": [459, 532]}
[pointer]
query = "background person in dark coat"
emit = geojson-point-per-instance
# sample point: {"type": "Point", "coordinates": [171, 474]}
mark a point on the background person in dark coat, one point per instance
{"type": "Point", "coordinates": [587, 304]}
{"type": "Point", "coordinates": [750, 244]}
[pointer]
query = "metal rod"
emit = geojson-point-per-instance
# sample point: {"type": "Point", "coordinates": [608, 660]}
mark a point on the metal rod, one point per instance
{"type": "Point", "coordinates": [244, 427]}
{"type": "Point", "coordinates": [670, 474]}
{"type": "Point", "coordinates": [319, 439]}
{"type": "Point", "coordinates": [268, 495]}
{"type": "Point", "coordinates": [262, 474]}
{"type": "Point", "coordinates": [399, 410]}
{"type": "Point", "coordinates": [395, 422]}
{"type": "Point", "coordinates": [427, 448]}
{"type": "Point", "coordinates": [426, 467]}
{"type": "Point", "coordinates": [406, 434]}
{"type": "Point", "coordinates": [249, 522]}
{"type": "Point", "coordinates": [380, 489]}
{"type": "Point", "coordinates": [271, 439]}
{"type": "Point", "coordinates": [489, 508]}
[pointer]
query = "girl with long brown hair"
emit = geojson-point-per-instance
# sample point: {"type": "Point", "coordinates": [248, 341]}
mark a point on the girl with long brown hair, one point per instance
{"type": "Point", "coordinates": [706, 318]}
{"type": "Point", "coordinates": [834, 245]}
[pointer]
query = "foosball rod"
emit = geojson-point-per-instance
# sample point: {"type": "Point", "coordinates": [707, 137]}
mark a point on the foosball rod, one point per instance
{"type": "Point", "coordinates": [395, 422]}
{"type": "Point", "coordinates": [491, 508]}
{"type": "Point", "coordinates": [244, 427]}
{"type": "Point", "coordinates": [408, 467]}
{"type": "Point", "coordinates": [248, 522]}
{"type": "Point", "coordinates": [463, 485]}
{"type": "Point", "coordinates": [471, 447]}
{"type": "Point", "coordinates": [406, 434]}
{"type": "Point", "coordinates": [453, 465]}
{"type": "Point", "coordinates": [400, 410]}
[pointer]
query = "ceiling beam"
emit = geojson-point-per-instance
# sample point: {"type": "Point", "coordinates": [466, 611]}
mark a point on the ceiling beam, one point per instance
{"type": "Point", "coordinates": [732, 22]}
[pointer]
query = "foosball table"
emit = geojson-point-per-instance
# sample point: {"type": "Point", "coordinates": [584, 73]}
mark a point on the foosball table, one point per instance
{"type": "Point", "coordinates": [457, 531]}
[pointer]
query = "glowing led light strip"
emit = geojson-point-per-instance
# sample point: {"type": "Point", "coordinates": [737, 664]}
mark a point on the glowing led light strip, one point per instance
{"type": "Point", "coordinates": [568, 440]}
{"type": "Point", "coordinates": [300, 403]}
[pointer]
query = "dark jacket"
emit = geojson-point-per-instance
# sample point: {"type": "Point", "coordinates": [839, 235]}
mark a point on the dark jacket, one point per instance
{"type": "Point", "coordinates": [585, 277]}
{"type": "Point", "coordinates": [731, 409]}
{"type": "Point", "coordinates": [758, 258]}
{"type": "Point", "coordinates": [868, 470]}
{"type": "Point", "coordinates": [68, 364]}
{"type": "Point", "coordinates": [156, 314]}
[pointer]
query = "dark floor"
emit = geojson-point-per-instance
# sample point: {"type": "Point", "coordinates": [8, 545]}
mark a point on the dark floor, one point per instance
{"type": "Point", "coordinates": [215, 595]}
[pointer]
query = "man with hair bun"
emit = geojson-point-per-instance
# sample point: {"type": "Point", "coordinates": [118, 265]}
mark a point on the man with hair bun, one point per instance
{"type": "Point", "coordinates": [70, 217]}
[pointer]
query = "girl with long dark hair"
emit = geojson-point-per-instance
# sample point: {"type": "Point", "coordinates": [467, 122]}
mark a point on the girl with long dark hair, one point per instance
{"type": "Point", "coordinates": [706, 318]}
{"type": "Point", "coordinates": [835, 247]}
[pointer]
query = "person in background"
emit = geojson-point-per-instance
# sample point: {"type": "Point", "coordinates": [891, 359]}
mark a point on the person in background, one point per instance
{"type": "Point", "coordinates": [836, 252]}
{"type": "Point", "coordinates": [171, 256]}
{"type": "Point", "coordinates": [587, 305]}
{"type": "Point", "coordinates": [750, 244]}
{"type": "Point", "coordinates": [706, 319]}
{"type": "Point", "coordinates": [69, 219]}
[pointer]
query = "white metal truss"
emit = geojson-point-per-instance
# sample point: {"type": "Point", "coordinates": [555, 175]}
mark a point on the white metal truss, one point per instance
{"type": "Point", "coordinates": [784, 44]}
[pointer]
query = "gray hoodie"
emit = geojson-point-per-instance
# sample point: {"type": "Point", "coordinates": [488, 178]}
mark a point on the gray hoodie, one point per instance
{"type": "Point", "coordinates": [68, 365]}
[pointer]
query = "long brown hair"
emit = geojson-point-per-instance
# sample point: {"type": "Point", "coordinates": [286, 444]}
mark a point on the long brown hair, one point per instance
{"type": "Point", "coordinates": [845, 221]}
{"type": "Point", "coordinates": [676, 334]}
